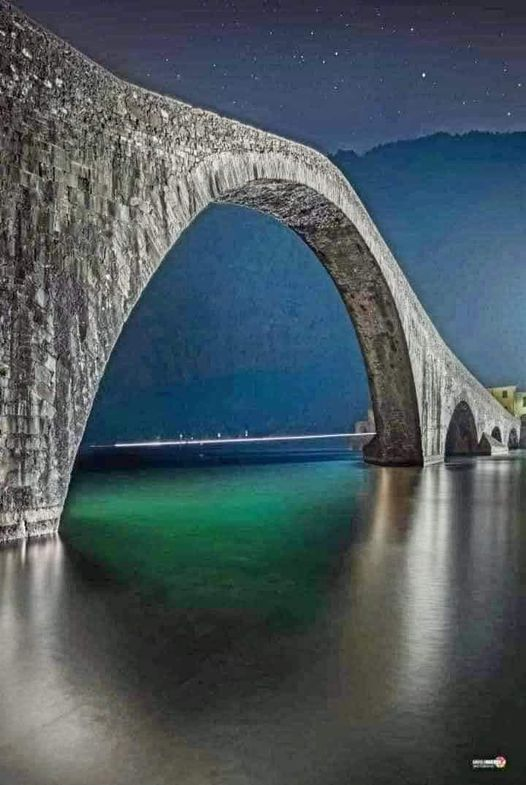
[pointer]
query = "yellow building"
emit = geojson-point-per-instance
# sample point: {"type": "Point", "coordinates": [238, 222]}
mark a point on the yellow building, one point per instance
{"type": "Point", "coordinates": [512, 399]}
{"type": "Point", "coordinates": [520, 403]}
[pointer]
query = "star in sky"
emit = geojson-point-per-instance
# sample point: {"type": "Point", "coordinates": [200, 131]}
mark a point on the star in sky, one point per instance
{"type": "Point", "coordinates": [318, 72]}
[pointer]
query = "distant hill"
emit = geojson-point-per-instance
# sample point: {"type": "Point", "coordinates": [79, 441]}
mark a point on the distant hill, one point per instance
{"type": "Point", "coordinates": [453, 210]}
{"type": "Point", "coordinates": [241, 327]}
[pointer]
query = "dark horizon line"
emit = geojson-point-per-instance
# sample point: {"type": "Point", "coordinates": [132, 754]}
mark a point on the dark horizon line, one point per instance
{"type": "Point", "coordinates": [422, 137]}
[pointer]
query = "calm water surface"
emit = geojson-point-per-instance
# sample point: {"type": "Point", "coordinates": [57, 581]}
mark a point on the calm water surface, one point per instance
{"type": "Point", "coordinates": [320, 623]}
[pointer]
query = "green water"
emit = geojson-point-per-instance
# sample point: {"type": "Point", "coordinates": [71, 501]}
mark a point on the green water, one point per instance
{"type": "Point", "coordinates": [306, 623]}
{"type": "Point", "coordinates": [263, 539]}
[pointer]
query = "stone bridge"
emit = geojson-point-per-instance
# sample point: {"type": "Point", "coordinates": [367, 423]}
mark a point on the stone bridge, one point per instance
{"type": "Point", "coordinates": [98, 179]}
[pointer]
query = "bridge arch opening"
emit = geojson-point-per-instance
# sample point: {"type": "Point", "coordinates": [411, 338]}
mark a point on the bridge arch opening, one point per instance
{"type": "Point", "coordinates": [239, 330]}
{"type": "Point", "coordinates": [513, 439]}
{"type": "Point", "coordinates": [461, 437]}
{"type": "Point", "coordinates": [361, 283]}
{"type": "Point", "coordinates": [496, 433]}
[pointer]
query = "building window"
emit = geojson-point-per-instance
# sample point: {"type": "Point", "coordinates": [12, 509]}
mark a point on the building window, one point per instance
{"type": "Point", "coordinates": [524, 402]}
{"type": "Point", "coordinates": [504, 393]}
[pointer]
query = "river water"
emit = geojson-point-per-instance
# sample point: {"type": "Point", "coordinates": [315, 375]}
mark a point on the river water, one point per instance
{"type": "Point", "coordinates": [316, 622]}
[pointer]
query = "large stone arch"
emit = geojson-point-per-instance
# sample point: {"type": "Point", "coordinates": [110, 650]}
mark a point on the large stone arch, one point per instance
{"type": "Point", "coordinates": [281, 186]}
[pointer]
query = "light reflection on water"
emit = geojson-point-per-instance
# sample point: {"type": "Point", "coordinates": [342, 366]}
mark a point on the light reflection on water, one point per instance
{"type": "Point", "coordinates": [306, 623]}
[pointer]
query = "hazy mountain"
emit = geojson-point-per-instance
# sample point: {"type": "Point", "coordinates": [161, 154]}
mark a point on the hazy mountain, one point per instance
{"type": "Point", "coordinates": [242, 328]}
{"type": "Point", "coordinates": [453, 210]}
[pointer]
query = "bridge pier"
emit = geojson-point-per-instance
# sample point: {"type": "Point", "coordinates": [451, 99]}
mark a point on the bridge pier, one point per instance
{"type": "Point", "coordinates": [99, 178]}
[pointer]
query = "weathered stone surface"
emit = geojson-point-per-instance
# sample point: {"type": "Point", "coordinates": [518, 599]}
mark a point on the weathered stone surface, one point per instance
{"type": "Point", "coordinates": [98, 179]}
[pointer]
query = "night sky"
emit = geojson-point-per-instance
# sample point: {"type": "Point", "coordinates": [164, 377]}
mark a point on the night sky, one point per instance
{"type": "Point", "coordinates": [274, 351]}
{"type": "Point", "coordinates": [335, 74]}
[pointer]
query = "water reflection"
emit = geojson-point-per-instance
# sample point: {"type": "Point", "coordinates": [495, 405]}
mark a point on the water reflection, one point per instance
{"type": "Point", "coordinates": [256, 541]}
{"type": "Point", "coordinates": [311, 623]}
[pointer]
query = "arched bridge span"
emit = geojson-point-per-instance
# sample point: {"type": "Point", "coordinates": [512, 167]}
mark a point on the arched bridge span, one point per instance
{"type": "Point", "coordinates": [99, 178]}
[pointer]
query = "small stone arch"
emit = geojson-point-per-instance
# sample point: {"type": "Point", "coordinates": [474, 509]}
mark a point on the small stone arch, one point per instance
{"type": "Point", "coordinates": [496, 433]}
{"type": "Point", "coordinates": [461, 437]}
{"type": "Point", "coordinates": [513, 439]}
